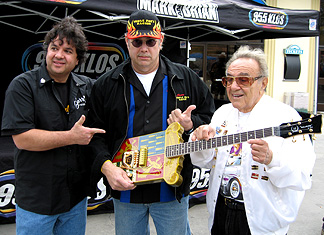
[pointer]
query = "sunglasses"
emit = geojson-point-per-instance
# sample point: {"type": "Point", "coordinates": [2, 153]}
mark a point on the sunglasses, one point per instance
{"type": "Point", "coordinates": [138, 43]}
{"type": "Point", "coordinates": [242, 81]}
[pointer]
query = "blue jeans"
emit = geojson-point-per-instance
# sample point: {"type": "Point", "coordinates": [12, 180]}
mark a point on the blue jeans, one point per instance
{"type": "Point", "coordinates": [71, 222]}
{"type": "Point", "coordinates": [168, 217]}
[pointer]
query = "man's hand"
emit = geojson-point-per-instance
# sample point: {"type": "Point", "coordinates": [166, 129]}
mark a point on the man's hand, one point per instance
{"type": "Point", "coordinates": [203, 132]}
{"type": "Point", "coordinates": [83, 135]}
{"type": "Point", "coordinates": [43, 140]}
{"type": "Point", "coordinates": [117, 177]}
{"type": "Point", "coordinates": [184, 118]}
{"type": "Point", "coordinates": [260, 151]}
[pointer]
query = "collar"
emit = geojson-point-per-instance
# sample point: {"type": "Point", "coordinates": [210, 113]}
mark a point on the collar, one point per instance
{"type": "Point", "coordinates": [45, 78]}
{"type": "Point", "coordinates": [167, 67]}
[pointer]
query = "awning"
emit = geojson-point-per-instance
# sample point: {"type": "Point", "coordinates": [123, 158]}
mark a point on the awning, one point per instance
{"type": "Point", "coordinates": [203, 20]}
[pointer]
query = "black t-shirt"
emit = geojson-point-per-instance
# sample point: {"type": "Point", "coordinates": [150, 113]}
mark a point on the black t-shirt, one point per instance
{"type": "Point", "coordinates": [63, 90]}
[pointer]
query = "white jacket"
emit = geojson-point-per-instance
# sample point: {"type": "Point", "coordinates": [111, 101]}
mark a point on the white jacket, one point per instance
{"type": "Point", "coordinates": [270, 205]}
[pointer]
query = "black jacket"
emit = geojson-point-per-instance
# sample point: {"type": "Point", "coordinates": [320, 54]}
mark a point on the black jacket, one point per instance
{"type": "Point", "coordinates": [110, 109]}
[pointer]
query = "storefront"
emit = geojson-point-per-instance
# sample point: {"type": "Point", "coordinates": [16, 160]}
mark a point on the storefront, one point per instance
{"type": "Point", "coordinates": [320, 83]}
{"type": "Point", "coordinates": [320, 88]}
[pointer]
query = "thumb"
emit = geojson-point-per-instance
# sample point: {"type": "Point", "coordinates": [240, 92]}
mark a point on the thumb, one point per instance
{"type": "Point", "coordinates": [189, 110]}
{"type": "Point", "coordinates": [81, 120]}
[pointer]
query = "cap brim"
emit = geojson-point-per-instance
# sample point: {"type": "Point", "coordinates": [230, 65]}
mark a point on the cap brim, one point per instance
{"type": "Point", "coordinates": [148, 34]}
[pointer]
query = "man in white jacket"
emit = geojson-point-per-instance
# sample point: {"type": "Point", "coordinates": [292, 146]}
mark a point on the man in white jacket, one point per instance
{"type": "Point", "coordinates": [256, 187]}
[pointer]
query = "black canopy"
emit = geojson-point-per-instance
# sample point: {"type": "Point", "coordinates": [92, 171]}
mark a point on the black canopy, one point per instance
{"type": "Point", "coordinates": [24, 23]}
{"type": "Point", "coordinates": [192, 20]}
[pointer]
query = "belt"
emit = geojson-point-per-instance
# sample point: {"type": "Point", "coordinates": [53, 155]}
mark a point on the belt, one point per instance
{"type": "Point", "coordinates": [234, 205]}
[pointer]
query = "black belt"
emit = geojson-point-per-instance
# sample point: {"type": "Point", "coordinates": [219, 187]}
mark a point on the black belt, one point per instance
{"type": "Point", "coordinates": [232, 204]}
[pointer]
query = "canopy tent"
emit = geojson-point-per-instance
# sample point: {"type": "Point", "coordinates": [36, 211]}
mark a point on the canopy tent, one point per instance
{"type": "Point", "coordinates": [25, 22]}
{"type": "Point", "coordinates": [191, 20]}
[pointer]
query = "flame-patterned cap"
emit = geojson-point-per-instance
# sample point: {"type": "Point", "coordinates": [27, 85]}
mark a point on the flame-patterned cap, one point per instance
{"type": "Point", "coordinates": [143, 23]}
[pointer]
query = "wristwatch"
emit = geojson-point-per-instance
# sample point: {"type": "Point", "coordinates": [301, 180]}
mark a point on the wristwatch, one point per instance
{"type": "Point", "coordinates": [188, 132]}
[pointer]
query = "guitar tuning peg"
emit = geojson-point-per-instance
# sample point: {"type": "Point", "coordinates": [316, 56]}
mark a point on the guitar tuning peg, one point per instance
{"type": "Point", "coordinates": [314, 137]}
{"type": "Point", "coordinates": [293, 140]}
{"type": "Point", "coordinates": [304, 137]}
{"type": "Point", "coordinates": [312, 115]}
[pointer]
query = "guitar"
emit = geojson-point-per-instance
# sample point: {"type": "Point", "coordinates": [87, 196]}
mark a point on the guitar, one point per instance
{"type": "Point", "coordinates": [159, 156]}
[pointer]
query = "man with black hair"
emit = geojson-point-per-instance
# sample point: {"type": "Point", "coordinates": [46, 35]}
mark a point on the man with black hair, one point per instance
{"type": "Point", "coordinates": [44, 113]}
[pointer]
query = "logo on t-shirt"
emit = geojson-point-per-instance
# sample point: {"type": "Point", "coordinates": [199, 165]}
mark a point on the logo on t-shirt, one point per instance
{"type": "Point", "coordinates": [79, 102]}
{"type": "Point", "coordinates": [182, 97]}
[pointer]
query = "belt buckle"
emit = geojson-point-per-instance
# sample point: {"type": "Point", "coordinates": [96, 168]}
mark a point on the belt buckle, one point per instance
{"type": "Point", "coordinates": [227, 201]}
{"type": "Point", "coordinates": [232, 204]}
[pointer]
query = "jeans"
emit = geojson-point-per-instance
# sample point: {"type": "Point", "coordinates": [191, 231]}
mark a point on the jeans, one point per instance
{"type": "Point", "coordinates": [168, 217]}
{"type": "Point", "coordinates": [71, 222]}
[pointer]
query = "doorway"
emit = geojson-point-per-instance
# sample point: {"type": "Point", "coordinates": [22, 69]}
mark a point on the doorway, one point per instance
{"type": "Point", "coordinates": [320, 87]}
{"type": "Point", "coordinates": [208, 60]}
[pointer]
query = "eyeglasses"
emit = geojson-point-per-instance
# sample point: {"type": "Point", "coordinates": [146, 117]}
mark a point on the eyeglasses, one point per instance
{"type": "Point", "coordinates": [242, 81]}
{"type": "Point", "coordinates": [138, 43]}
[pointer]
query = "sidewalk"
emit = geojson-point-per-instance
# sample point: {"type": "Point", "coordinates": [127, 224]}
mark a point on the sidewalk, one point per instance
{"type": "Point", "coordinates": [308, 222]}
{"type": "Point", "coordinates": [309, 219]}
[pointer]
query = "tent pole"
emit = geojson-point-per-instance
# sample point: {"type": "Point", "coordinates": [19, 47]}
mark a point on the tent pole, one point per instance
{"type": "Point", "coordinates": [188, 47]}
{"type": "Point", "coordinates": [316, 74]}
{"type": "Point", "coordinates": [188, 51]}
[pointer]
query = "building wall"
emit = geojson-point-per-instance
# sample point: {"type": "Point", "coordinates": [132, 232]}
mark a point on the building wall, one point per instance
{"type": "Point", "coordinates": [274, 50]}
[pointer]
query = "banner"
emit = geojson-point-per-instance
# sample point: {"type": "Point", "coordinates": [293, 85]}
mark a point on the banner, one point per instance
{"type": "Point", "coordinates": [187, 20]}
{"type": "Point", "coordinates": [100, 58]}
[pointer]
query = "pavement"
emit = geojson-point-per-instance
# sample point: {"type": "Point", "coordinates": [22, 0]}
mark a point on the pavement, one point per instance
{"type": "Point", "coordinates": [308, 222]}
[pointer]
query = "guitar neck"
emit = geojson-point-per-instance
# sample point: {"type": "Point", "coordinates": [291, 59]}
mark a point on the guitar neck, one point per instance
{"type": "Point", "coordinates": [196, 146]}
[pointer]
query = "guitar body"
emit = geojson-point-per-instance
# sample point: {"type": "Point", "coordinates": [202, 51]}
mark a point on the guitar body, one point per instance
{"type": "Point", "coordinates": [144, 159]}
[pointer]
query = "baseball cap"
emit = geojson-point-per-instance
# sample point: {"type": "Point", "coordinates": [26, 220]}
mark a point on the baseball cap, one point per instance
{"type": "Point", "coordinates": [143, 23]}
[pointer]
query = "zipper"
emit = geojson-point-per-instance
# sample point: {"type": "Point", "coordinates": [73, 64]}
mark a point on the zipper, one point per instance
{"type": "Point", "coordinates": [127, 108]}
{"type": "Point", "coordinates": [176, 106]}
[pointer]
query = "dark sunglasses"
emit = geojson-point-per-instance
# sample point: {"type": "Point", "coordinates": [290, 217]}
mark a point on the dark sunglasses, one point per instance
{"type": "Point", "coordinates": [138, 43]}
{"type": "Point", "coordinates": [242, 81]}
